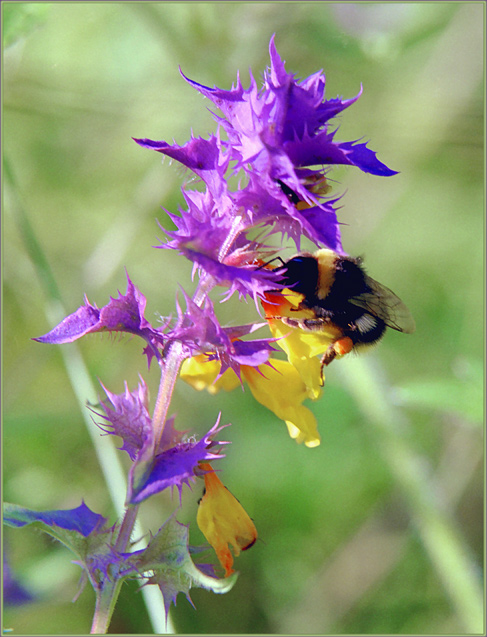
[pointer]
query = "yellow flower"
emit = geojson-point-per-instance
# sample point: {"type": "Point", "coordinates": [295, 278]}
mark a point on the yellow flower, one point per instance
{"type": "Point", "coordinates": [201, 373]}
{"type": "Point", "coordinates": [281, 389]}
{"type": "Point", "coordinates": [278, 387]}
{"type": "Point", "coordinates": [301, 346]}
{"type": "Point", "coordinates": [223, 520]}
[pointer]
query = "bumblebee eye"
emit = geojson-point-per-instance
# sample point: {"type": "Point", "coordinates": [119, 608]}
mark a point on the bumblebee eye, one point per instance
{"type": "Point", "coordinates": [297, 260]}
{"type": "Point", "coordinates": [301, 275]}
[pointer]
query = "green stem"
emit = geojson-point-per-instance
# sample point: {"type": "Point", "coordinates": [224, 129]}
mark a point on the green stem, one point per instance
{"type": "Point", "coordinates": [444, 544]}
{"type": "Point", "coordinates": [174, 357]}
{"type": "Point", "coordinates": [169, 376]}
{"type": "Point", "coordinates": [126, 528]}
{"type": "Point", "coordinates": [106, 599]}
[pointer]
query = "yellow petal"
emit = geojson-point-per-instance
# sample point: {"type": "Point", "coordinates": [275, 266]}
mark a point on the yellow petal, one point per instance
{"type": "Point", "coordinates": [223, 520]}
{"type": "Point", "coordinates": [302, 346]}
{"type": "Point", "coordinates": [201, 373]}
{"type": "Point", "coordinates": [282, 390]}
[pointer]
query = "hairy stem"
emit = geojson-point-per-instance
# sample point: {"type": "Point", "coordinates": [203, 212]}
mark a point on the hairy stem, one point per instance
{"type": "Point", "coordinates": [105, 604]}
{"type": "Point", "coordinates": [175, 356]}
{"type": "Point", "coordinates": [170, 370]}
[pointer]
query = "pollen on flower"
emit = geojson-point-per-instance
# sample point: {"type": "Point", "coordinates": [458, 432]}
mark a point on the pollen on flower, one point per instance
{"type": "Point", "coordinates": [223, 520]}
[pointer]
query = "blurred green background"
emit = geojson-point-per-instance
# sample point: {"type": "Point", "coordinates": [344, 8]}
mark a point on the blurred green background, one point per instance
{"type": "Point", "coordinates": [349, 539]}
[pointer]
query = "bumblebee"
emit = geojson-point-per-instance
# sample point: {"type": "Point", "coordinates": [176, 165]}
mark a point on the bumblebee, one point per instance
{"type": "Point", "coordinates": [339, 298]}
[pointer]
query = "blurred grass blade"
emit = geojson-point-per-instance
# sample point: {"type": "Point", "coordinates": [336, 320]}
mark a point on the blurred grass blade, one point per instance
{"type": "Point", "coordinates": [445, 546]}
{"type": "Point", "coordinates": [84, 390]}
{"type": "Point", "coordinates": [19, 19]}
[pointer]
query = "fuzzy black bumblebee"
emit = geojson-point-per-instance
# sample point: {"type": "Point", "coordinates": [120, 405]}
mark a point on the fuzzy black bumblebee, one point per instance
{"type": "Point", "coordinates": [340, 295]}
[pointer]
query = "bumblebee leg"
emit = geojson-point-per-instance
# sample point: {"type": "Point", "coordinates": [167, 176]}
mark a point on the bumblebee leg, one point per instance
{"type": "Point", "coordinates": [340, 347]}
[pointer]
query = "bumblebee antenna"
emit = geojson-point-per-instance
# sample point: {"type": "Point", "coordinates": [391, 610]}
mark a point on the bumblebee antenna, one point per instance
{"type": "Point", "coordinates": [264, 265]}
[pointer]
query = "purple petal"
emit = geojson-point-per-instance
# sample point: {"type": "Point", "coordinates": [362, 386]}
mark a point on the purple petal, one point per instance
{"type": "Point", "coordinates": [175, 466]}
{"type": "Point", "coordinates": [128, 417]}
{"type": "Point", "coordinates": [320, 224]}
{"type": "Point", "coordinates": [123, 314]}
{"type": "Point", "coordinates": [82, 519]}
{"type": "Point", "coordinates": [198, 327]}
{"type": "Point", "coordinates": [73, 326]}
{"type": "Point", "coordinates": [203, 156]}
{"type": "Point", "coordinates": [252, 280]}
{"type": "Point", "coordinates": [321, 149]}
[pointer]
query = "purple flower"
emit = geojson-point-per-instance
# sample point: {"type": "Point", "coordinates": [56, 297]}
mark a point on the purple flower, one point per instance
{"type": "Point", "coordinates": [272, 205]}
{"type": "Point", "coordinates": [284, 126]}
{"type": "Point", "coordinates": [124, 314]}
{"type": "Point", "coordinates": [172, 461]}
{"type": "Point", "coordinates": [277, 136]}
{"type": "Point", "coordinates": [198, 327]}
{"type": "Point", "coordinates": [204, 226]}
{"type": "Point", "coordinates": [128, 417]}
{"type": "Point", "coordinates": [200, 331]}
{"type": "Point", "coordinates": [175, 466]}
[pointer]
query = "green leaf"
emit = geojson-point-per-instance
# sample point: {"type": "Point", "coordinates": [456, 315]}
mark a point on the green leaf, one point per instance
{"type": "Point", "coordinates": [168, 557]}
{"type": "Point", "coordinates": [80, 530]}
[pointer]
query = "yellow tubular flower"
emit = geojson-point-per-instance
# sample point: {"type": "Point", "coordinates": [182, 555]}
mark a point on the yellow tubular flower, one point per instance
{"type": "Point", "coordinates": [223, 520]}
{"type": "Point", "coordinates": [301, 346]}
{"type": "Point", "coordinates": [201, 373]}
{"type": "Point", "coordinates": [282, 390]}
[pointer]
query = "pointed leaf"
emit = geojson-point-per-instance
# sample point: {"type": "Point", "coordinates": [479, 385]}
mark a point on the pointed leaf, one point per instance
{"type": "Point", "coordinates": [168, 557]}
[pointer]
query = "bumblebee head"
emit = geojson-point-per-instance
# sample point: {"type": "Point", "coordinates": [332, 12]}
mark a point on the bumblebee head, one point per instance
{"type": "Point", "coordinates": [301, 273]}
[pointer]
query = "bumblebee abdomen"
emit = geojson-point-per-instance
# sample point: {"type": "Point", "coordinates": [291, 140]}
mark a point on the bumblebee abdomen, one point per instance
{"type": "Point", "coordinates": [366, 329]}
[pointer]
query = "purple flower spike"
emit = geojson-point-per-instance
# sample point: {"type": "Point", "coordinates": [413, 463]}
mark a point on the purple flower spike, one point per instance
{"type": "Point", "coordinates": [263, 172]}
{"type": "Point", "coordinates": [286, 119]}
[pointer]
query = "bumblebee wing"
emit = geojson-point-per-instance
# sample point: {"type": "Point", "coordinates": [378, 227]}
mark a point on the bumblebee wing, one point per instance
{"type": "Point", "coordinates": [384, 304]}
